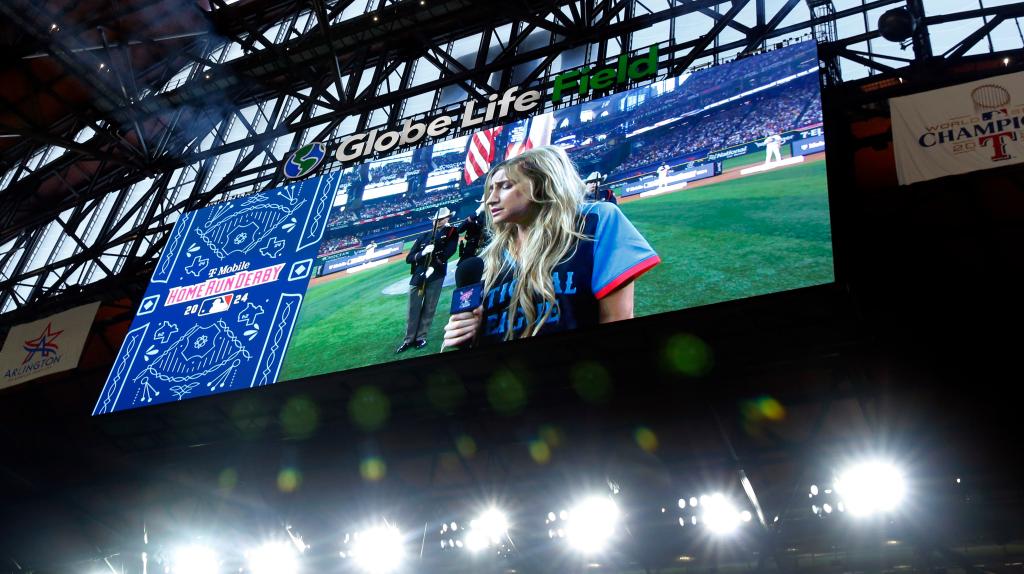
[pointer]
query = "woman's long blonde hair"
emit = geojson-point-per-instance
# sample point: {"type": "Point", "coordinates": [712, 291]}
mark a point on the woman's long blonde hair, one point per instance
{"type": "Point", "coordinates": [557, 190]}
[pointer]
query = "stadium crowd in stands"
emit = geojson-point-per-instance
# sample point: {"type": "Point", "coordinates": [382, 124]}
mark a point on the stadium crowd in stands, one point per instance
{"type": "Point", "coordinates": [746, 74]}
{"type": "Point", "coordinates": [334, 245]}
{"type": "Point", "coordinates": [393, 213]}
{"type": "Point", "coordinates": [774, 111]}
{"type": "Point", "coordinates": [701, 89]}
{"type": "Point", "coordinates": [391, 206]}
{"type": "Point", "coordinates": [448, 160]}
{"type": "Point", "coordinates": [812, 115]}
{"type": "Point", "coordinates": [390, 172]}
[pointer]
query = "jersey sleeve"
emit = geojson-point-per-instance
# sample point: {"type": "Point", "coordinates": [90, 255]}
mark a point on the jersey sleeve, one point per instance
{"type": "Point", "coordinates": [621, 254]}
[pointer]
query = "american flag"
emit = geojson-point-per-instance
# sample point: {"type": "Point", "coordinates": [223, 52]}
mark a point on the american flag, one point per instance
{"type": "Point", "coordinates": [537, 132]}
{"type": "Point", "coordinates": [480, 153]}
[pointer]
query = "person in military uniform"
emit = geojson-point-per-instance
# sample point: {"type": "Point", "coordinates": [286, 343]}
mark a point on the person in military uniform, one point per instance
{"type": "Point", "coordinates": [473, 230]}
{"type": "Point", "coordinates": [594, 190]}
{"type": "Point", "coordinates": [428, 261]}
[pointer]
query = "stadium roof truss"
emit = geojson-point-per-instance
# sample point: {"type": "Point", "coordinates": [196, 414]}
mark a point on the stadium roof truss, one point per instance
{"type": "Point", "coordinates": [87, 197]}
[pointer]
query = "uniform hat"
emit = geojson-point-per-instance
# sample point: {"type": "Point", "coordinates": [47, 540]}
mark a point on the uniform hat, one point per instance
{"type": "Point", "coordinates": [441, 213]}
{"type": "Point", "coordinates": [595, 176]}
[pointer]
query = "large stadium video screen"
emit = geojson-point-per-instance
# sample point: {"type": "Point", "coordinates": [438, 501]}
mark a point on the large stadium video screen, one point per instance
{"type": "Point", "coordinates": [697, 189]}
{"type": "Point", "coordinates": [704, 188]}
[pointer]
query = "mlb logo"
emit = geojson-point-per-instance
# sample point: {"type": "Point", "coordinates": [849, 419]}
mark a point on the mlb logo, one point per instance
{"type": "Point", "coordinates": [467, 298]}
{"type": "Point", "coordinates": [217, 304]}
{"type": "Point", "coordinates": [987, 116]}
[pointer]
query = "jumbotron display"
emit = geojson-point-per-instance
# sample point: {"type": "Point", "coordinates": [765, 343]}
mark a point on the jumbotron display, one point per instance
{"type": "Point", "coordinates": [223, 300]}
{"type": "Point", "coordinates": [697, 189]}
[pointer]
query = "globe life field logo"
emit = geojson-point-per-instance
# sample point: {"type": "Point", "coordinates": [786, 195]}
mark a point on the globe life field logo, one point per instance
{"type": "Point", "coordinates": [498, 107]}
{"type": "Point", "coordinates": [304, 160]}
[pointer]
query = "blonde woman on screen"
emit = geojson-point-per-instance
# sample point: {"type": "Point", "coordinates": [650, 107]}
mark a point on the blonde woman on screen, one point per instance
{"type": "Point", "coordinates": [554, 263]}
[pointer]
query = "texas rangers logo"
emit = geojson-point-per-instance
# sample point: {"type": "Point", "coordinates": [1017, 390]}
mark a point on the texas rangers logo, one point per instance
{"type": "Point", "coordinates": [43, 344]}
{"type": "Point", "coordinates": [996, 128]}
{"type": "Point", "coordinates": [304, 160]}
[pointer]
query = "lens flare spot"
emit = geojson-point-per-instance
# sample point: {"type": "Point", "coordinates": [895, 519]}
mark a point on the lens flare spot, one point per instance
{"type": "Point", "coordinates": [449, 462]}
{"type": "Point", "coordinates": [760, 410]}
{"type": "Point", "coordinates": [646, 439]}
{"type": "Point", "coordinates": [227, 479]}
{"type": "Point", "coordinates": [299, 417]}
{"type": "Point", "coordinates": [540, 452]}
{"type": "Point", "coordinates": [373, 468]}
{"type": "Point", "coordinates": [771, 409]}
{"type": "Point", "coordinates": [445, 392]}
{"type": "Point", "coordinates": [506, 393]}
{"type": "Point", "coordinates": [591, 382]}
{"type": "Point", "coordinates": [688, 354]}
{"type": "Point", "coordinates": [369, 408]}
{"type": "Point", "coordinates": [289, 479]}
{"type": "Point", "coordinates": [465, 445]}
{"type": "Point", "coordinates": [249, 416]}
{"type": "Point", "coordinates": [551, 435]}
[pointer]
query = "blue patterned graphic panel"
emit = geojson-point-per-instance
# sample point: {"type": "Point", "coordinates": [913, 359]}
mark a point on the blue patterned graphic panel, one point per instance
{"type": "Point", "coordinates": [222, 302]}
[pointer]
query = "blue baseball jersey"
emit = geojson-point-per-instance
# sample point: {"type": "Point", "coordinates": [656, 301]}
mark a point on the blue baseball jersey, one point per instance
{"type": "Point", "coordinates": [612, 254]}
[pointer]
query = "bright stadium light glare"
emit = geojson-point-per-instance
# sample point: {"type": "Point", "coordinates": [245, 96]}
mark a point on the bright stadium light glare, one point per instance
{"type": "Point", "coordinates": [592, 524]}
{"type": "Point", "coordinates": [870, 488]}
{"type": "Point", "coordinates": [378, 550]}
{"type": "Point", "coordinates": [491, 527]}
{"type": "Point", "coordinates": [195, 559]}
{"type": "Point", "coordinates": [476, 541]}
{"type": "Point", "coordinates": [273, 558]}
{"type": "Point", "coordinates": [720, 515]}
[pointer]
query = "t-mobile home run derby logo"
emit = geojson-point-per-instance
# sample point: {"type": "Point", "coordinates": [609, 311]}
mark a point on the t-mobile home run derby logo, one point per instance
{"type": "Point", "coordinates": [994, 126]}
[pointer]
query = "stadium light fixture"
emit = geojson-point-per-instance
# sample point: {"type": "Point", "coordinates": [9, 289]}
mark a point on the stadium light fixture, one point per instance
{"type": "Point", "coordinates": [491, 527]}
{"type": "Point", "coordinates": [592, 524]}
{"type": "Point", "coordinates": [273, 558]}
{"type": "Point", "coordinates": [476, 541]}
{"type": "Point", "coordinates": [378, 550]}
{"type": "Point", "coordinates": [720, 515]}
{"type": "Point", "coordinates": [195, 559]}
{"type": "Point", "coordinates": [871, 487]}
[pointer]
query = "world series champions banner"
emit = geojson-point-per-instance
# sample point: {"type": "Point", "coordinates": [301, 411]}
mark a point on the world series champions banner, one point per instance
{"type": "Point", "coordinates": [960, 129]}
{"type": "Point", "coordinates": [222, 302]}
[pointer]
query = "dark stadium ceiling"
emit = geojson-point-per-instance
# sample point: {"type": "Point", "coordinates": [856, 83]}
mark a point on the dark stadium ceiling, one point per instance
{"type": "Point", "coordinates": [83, 494]}
{"type": "Point", "coordinates": [116, 116]}
{"type": "Point", "coordinates": [86, 202]}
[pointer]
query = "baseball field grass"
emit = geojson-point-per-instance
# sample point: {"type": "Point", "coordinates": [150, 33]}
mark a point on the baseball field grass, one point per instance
{"type": "Point", "coordinates": [751, 159]}
{"type": "Point", "coordinates": [728, 240]}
